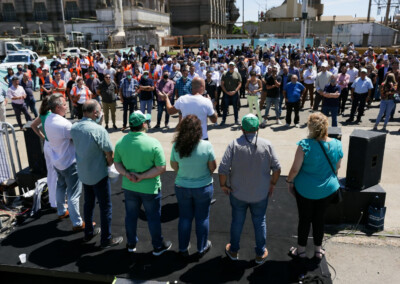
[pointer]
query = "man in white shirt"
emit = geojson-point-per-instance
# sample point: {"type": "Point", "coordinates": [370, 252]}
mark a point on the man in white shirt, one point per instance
{"type": "Point", "coordinates": [195, 104]}
{"type": "Point", "coordinates": [80, 94]}
{"type": "Point", "coordinates": [309, 76]}
{"type": "Point", "coordinates": [353, 72]}
{"type": "Point", "coordinates": [110, 71]}
{"type": "Point", "coordinates": [255, 68]}
{"type": "Point", "coordinates": [100, 66]}
{"type": "Point", "coordinates": [192, 72]}
{"type": "Point", "coordinates": [323, 79]}
{"type": "Point", "coordinates": [84, 63]}
{"type": "Point", "coordinates": [17, 96]}
{"type": "Point", "coordinates": [62, 152]}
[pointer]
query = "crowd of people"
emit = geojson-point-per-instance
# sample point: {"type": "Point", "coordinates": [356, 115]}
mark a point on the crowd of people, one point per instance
{"type": "Point", "coordinates": [80, 156]}
{"type": "Point", "coordinates": [285, 77]}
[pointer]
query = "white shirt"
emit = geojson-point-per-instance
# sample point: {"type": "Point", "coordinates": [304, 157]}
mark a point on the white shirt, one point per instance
{"type": "Point", "coordinates": [353, 74]}
{"type": "Point", "coordinates": [110, 72]}
{"type": "Point", "coordinates": [334, 70]}
{"type": "Point", "coordinates": [308, 73]}
{"type": "Point", "coordinates": [190, 76]}
{"type": "Point", "coordinates": [58, 132]}
{"type": "Point", "coordinates": [216, 77]}
{"type": "Point", "coordinates": [13, 92]}
{"type": "Point", "coordinates": [100, 67]}
{"type": "Point", "coordinates": [257, 69]}
{"type": "Point", "coordinates": [197, 105]}
{"type": "Point", "coordinates": [84, 63]}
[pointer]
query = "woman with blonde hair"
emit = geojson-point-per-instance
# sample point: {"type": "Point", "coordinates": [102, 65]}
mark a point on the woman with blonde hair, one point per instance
{"type": "Point", "coordinates": [388, 89]}
{"type": "Point", "coordinates": [313, 181]}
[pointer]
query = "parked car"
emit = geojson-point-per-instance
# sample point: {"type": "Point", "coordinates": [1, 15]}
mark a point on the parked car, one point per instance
{"type": "Point", "coordinates": [20, 57]}
{"type": "Point", "coordinates": [74, 51]}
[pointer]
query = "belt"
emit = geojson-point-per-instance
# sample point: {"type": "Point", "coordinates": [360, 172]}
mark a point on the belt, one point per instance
{"type": "Point", "coordinates": [361, 93]}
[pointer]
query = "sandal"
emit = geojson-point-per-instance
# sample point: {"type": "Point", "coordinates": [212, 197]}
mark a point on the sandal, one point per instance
{"type": "Point", "coordinates": [294, 254]}
{"type": "Point", "coordinates": [319, 254]}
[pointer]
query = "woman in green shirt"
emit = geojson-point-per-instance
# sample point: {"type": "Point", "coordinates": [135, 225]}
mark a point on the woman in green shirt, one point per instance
{"type": "Point", "coordinates": [51, 172]}
{"type": "Point", "coordinates": [194, 160]}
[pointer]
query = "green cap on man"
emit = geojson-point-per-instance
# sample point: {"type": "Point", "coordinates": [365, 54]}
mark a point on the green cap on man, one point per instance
{"type": "Point", "coordinates": [137, 118]}
{"type": "Point", "coordinates": [250, 123]}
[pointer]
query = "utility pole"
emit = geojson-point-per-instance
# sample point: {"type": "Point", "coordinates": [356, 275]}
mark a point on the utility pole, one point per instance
{"type": "Point", "coordinates": [304, 24]}
{"type": "Point", "coordinates": [63, 18]}
{"type": "Point", "coordinates": [40, 29]}
{"type": "Point", "coordinates": [387, 12]}
{"type": "Point", "coordinates": [369, 11]}
{"type": "Point", "coordinates": [243, 17]}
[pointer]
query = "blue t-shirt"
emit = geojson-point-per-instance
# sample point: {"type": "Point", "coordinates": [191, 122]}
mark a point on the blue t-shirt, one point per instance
{"type": "Point", "coordinates": [293, 91]}
{"type": "Point", "coordinates": [193, 170]}
{"type": "Point", "coordinates": [316, 179]}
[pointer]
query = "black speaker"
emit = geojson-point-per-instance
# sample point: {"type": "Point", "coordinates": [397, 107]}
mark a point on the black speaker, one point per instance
{"type": "Point", "coordinates": [364, 165]}
{"type": "Point", "coordinates": [354, 207]}
{"type": "Point", "coordinates": [34, 149]}
{"type": "Point", "coordinates": [335, 132]}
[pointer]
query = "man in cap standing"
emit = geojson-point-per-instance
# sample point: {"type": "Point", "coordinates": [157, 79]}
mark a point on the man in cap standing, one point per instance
{"type": "Point", "coordinates": [231, 81]}
{"type": "Point", "coordinates": [140, 160]}
{"type": "Point", "coordinates": [361, 90]}
{"type": "Point", "coordinates": [251, 183]}
{"type": "Point", "coordinates": [323, 79]}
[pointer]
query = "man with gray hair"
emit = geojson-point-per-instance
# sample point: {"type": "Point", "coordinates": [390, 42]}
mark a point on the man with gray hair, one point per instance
{"type": "Point", "coordinates": [62, 155]}
{"type": "Point", "coordinates": [94, 152]}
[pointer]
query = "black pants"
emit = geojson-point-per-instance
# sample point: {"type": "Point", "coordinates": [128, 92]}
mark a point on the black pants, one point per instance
{"type": "Point", "coordinates": [344, 94]}
{"type": "Point", "coordinates": [358, 102]}
{"type": "Point", "coordinates": [242, 90]}
{"type": "Point", "coordinates": [218, 99]}
{"type": "Point", "coordinates": [18, 109]}
{"type": "Point", "coordinates": [289, 109]}
{"type": "Point", "coordinates": [311, 211]}
{"type": "Point", "coordinates": [317, 101]}
{"type": "Point", "coordinates": [79, 110]}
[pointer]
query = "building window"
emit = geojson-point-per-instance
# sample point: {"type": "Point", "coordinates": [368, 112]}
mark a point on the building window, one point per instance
{"type": "Point", "coordinates": [40, 11]}
{"type": "Point", "coordinates": [9, 12]}
{"type": "Point", "coordinates": [71, 10]}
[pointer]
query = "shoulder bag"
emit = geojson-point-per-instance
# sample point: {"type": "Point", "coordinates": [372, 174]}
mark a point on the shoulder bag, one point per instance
{"type": "Point", "coordinates": [338, 197]}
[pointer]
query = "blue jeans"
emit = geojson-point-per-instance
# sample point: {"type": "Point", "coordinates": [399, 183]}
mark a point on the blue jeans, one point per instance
{"type": "Point", "coordinates": [152, 208]}
{"type": "Point", "coordinates": [386, 107]}
{"type": "Point", "coordinates": [275, 102]}
{"type": "Point", "coordinates": [68, 183]}
{"type": "Point", "coordinates": [194, 203]}
{"type": "Point", "coordinates": [148, 104]}
{"type": "Point", "coordinates": [101, 191]}
{"type": "Point", "coordinates": [161, 107]}
{"type": "Point", "coordinates": [131, 104]}
{"type": "Point", "coordinates": [333, 111]}
{"type": "Point", "coordinates": [233, 100]}
{"type": "Point", "coordinates": [258, 212]}
{"type": "Point", "coordinates": [31, 105]}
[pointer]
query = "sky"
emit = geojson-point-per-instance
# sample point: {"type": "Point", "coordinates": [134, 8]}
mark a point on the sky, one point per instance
{"type": "Point", "coordinates": [331, 7]}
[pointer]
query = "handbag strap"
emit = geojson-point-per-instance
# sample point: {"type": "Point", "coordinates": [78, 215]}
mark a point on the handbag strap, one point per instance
{"type": "Point", "coordinates": [326, 155]}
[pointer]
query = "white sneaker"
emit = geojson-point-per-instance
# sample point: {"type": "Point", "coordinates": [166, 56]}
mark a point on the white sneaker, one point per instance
{"type": "Point", "coordinates": [278, 122]}
{"type": "Point", "coordinates": [297, 125]}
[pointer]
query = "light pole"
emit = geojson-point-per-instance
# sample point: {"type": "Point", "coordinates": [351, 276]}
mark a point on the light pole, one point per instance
{"type": "Point", "coordinates": [20, 30]}
{"type": "Point", "coordinates": [40, 30]}
{"type": "Point", "coordinates": [63, 18]}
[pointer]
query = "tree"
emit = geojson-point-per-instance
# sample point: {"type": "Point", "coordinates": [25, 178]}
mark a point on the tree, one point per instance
{"type": "Point", "coordinates": [238, 30]}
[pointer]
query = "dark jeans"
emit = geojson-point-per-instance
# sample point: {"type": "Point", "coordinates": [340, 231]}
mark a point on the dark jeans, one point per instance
{"type": "Point", "coordinates": [333, 111]}
{"type": "Point", "coordinates": [102, 192]}
{"type": "Point", "coordinates": [152, 208]}
{"type": "Point", "coordinates": [18, 108]}
{"type": "Point", "coordinates": [34, 82]}
{"type": "Point", "coordinates": [311, 212]}
{"type": "Point", "coordinates": [344, 94]}
{"type": "Point", "coordinates": [218, 99]}
{"type": "Point", "coordinates": [243, 88]}
{"type": "Point", "coordinates": [161, 107]}
{"type": "Point", "coordinates": [194, 203]}
{"type": "Point", "coordinates": [359, 101]}
{"type": "Point", "coordinates": [32, 105]}
{"type": "Point", "coordinates": [79, 110]}
{"type": "Point", "coordinates": [289, 108]}
{"type": "Point", "coordinates": [131, 104]}
{"type": "Point", "coordinates": [230, 100]}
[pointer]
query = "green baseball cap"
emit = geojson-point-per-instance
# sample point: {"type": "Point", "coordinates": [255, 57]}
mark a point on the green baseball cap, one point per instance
{"type": "Point", "coordinates": [250, 123]}
{"type": "Point", "coordinates": [137, 118]}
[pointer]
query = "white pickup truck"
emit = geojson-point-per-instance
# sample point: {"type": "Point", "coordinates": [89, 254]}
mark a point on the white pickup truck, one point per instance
{"type": "Point", "coordinates": [20, 57]}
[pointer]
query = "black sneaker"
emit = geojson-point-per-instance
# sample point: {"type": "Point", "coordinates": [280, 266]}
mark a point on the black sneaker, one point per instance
{"type": "Point", "coordinates": [222, 123]}
{"type": "Point", "coordinates": [115, 127]}
{"type": "Point", "coordinates": [206, 249]}
{"type": "Point", "coordinates": [185, 254]}
{"type": "Point", "coordinates": [96, 231]}
{"type": "Point", "coordinates": [131, 248]}
{"type": "Point", "coordinates": [106, 127]}
{"type": "Point", "coordinates": [165, 246]}
{"type": "Point", "coordinates": [113, 242]}
{"type": "Point", "coordinates": [157, 126]}
{"type": "Point", "coordinates": [350, 120]}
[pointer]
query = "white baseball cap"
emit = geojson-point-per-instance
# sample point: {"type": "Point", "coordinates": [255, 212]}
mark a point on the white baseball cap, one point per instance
{"type": "Point", "coordinates": [324, 64]}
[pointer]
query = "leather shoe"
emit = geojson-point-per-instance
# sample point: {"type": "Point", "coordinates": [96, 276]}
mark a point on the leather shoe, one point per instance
{"type": "Point", "coordinates": [81, 227]}
{"type": "Point", "coordinates": [65, 215]}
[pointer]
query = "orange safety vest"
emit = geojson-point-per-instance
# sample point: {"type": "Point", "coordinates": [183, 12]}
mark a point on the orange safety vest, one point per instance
{"type": "Point", "coordinates": [87, 75]}
{"type": "Point", "coordinates": [153, 53]}
{"type": "Point", "coordinates": [59, 85]}
{"type": "Point", "coordinates": [29, 73]}
{"type": "Point", "coordinates": [154, 76]}
{"type": "Point", "coordinates": [78, 71]}
{"type": "Point", "coordinates": [138, 77]}
{"type": "Point", "coordinates": [127, 67]}
{"type": "Point", "coordinates": [86, 89]}
{"type": "Point", "coordinates": [91, 61]}
{"type": "Point", "coordinates": [43, 82]}
{"type": "Point", "coordinates": [147, 66]}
